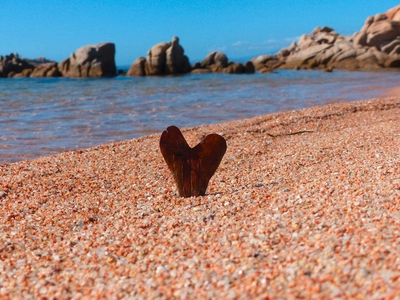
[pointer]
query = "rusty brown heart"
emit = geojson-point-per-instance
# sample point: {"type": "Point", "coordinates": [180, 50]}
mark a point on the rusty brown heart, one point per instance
{"type": "Point", "coordinates": [192, 168]}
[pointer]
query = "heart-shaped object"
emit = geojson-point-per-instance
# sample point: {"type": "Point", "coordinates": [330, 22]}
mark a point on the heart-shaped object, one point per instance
{"type": "Point", "coordinates": [192, 167]}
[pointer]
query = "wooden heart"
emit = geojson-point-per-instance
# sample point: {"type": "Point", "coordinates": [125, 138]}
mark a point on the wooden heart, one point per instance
{"type": "Point", "coordinates": [192, 167]}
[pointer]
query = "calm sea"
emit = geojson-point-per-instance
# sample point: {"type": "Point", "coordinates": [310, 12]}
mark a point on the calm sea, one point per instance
{"type": "Point", "coordinates": [51, 115]}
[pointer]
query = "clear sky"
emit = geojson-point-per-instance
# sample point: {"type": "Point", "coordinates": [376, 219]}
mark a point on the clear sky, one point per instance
{"type": "Point", "coordinates": [55, 28]}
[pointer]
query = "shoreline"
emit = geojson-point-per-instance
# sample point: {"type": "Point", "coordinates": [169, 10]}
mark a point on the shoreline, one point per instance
{"type": "Point", "coordinates": [394, 92]}
{"type": "Point", "coordinates": [77, 124]}
{"type": "Point", "coordinates": [305, 215]}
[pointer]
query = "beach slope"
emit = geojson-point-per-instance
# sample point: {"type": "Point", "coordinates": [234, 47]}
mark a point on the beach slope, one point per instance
{"type": "Point", "coordinates": [304, 204]}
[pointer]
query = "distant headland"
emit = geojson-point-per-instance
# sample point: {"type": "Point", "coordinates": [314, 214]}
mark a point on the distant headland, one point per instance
{"type": "Point", "coordinates": [375, 46]}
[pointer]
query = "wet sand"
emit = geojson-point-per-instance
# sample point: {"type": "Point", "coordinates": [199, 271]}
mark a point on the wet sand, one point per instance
{"type": "Point", "coordinates": [394, 92]}
{"type": "Point", "coordinates": [305, 204]}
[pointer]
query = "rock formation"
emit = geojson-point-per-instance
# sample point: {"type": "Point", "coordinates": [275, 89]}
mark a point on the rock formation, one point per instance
{"type": "Point", "coordinates": [138, 67]}
{"type": "Point", "coordinates": [168, 58]}
{"type": "Point", "coordinates": [90, 61]}
{"type": "Point", "coordinates": [217, 62]}
{"type": "Point", "coordinates": [48, 69]}
{"type": "Point", "coordinates": [176, 61]}
{"type": "Point", "coordinates": [162, 59]}
{"type": "Point", "coordinates": [377, 45]}
{"type": "Point", "coordinates": [215, 58]}
{"type": "Point", "coordinates": [14, 66]}
{"type": "Point", "coordinates": [156, 59]}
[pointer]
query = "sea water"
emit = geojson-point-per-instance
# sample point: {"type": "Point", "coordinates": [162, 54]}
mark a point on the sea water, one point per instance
{"type": "Point", "coordinates": [43, 116]}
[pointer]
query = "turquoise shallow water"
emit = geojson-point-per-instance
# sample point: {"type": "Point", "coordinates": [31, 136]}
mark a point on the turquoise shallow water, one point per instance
{"type": "Point", "coordinates": [50, 115]}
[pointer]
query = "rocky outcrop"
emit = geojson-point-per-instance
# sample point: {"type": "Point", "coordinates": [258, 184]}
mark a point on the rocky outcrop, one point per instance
{"type": "Point", "coordinates": [138, 67]}
{"type": "Point", "coordinates": [48, 69]}
{"type": "Point", "coordinates": [176, 61]}
{"type": "Point", "coordinates": [267, 63]}
{"type": "Point", "coordinates": [393, 14]}
{"type": "Point", "coordinates": [215, 58]}
{"type": "Point", "coordinates": [377, 45]}
{"type": "Point", "coordinates": [156, 59]}
{"type": "Point", "coordinates": [162, 59]}
{"type": "Point", "coordinates": [168, 58]}
{"type": "Point", "coordinates": [14, 66]}
{"type": "Point", "coordinates": [377, 31]}
{"type": "Point", "coordinates": [90, 61]}
{"type": "Point", "coordinates": [217, 62]}
{"type": "Point", "coordinates": [248, 68]}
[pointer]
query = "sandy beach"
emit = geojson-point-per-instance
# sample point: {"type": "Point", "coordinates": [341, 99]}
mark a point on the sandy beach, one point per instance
{"type": "Point", "coordinates": [305, 205]}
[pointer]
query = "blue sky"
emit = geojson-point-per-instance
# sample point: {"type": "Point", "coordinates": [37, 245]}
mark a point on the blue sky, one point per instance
{"type": "Point", "coordinates": [55, 28]}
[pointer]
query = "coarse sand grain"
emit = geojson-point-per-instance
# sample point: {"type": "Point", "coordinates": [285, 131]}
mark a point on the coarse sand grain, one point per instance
{"type": "Point", "coordinates": [305, 205]}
